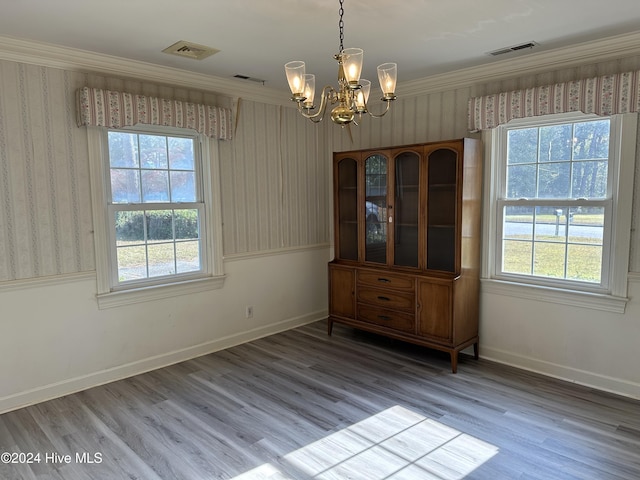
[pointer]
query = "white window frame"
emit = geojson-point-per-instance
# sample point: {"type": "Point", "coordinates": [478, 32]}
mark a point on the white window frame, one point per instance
{"type": "Point", "coordinates": [612, 294]}
{"type": "Point", "coordinates": [111, 293]}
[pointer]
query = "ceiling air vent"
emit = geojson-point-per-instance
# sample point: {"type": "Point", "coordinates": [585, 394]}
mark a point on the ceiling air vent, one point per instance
{"type": "Point", "coordinates": [515, 48]}
{"type": "Point", "coordinates": [251, 79]}
{"type": "Point", "coordinates": [190, 50]}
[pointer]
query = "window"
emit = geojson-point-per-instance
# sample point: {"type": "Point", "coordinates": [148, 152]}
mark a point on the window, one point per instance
{"type": "Point", "coordinates": [156, 205]}
{"type": "Point", "coordinates": [556, 205]}
{"type": "Point", "coordinates": [158, 219]}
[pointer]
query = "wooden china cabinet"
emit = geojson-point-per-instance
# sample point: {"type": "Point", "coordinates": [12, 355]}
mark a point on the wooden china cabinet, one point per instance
{"type": "Point", "coordinates": [407, 243]}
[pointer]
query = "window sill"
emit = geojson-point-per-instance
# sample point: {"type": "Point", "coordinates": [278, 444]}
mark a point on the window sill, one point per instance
{"type": "Point", "coordinates": [158, 292]}
{"type": "Point", "coordinates": [593, 301]}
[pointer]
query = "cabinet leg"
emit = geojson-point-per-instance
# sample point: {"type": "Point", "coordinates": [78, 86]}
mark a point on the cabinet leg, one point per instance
{"type": "Point", "coordinates": [454, 361]}
{"type": "Point", "coordinates": [476, 354]}
{"type": "Point", "coordinates": [329, 326]}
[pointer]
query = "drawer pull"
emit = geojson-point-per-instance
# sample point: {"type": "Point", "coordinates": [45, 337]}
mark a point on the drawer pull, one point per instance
{"type": "Point", "coordinates": [384, 280]}
{"type": "Point", "coordinates": [384, 317]}
{"type": "Point", "coordinates": [386, 299]}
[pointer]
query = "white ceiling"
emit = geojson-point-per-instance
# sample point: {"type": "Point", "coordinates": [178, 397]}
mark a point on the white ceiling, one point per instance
{"type": "Point", "coordinates": [256, 38]}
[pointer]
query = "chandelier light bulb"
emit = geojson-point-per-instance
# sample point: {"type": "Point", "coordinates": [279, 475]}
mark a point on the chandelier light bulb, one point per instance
{"type": "Point", "coordinates": [387, 75]}
{"type": "Point", "coordinates": [295, 77]}
{"type": "Point", "coordinates": [362, 95]}
{"type": "Point", "coordinates": [309, 90]}
{"type": "Point", "coordinates": [352, 64]}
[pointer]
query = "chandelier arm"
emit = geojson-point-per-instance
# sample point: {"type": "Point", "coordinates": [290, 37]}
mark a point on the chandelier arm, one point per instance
{"type": "Point", "coordinates": [388, 102]}
{"type": "Point", "coordinates": [317, 117]}
{"type": "Point", "coordinates": [312, 116]}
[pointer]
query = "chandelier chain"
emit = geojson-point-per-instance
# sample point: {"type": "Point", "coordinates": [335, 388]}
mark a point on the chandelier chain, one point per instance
{"type": "Point", "coordinates": [341, 26]}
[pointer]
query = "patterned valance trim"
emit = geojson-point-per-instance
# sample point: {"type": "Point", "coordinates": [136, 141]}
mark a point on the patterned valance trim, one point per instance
{"type": "Point", "coordinates": [106, 108]}
{"type": "Point", "coordinates": [606, 95]}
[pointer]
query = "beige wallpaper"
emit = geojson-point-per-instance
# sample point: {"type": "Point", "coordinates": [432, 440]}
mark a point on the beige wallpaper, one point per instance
{"type": "Point", "coordinates": [275, 174]}
{"type": "Point", "coordinates": [45, 210]}
{"type": "Point", "coordinates": [275, 190]}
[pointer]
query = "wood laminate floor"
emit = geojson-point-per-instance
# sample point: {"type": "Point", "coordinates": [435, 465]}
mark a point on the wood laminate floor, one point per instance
{"type": "Point", "coordinates": [302, 405]}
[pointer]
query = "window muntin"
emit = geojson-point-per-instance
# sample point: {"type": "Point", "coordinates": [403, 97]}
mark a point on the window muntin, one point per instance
{"type": "Point", "coordinates": [554, 242]}
{"type": "Point", "coordinates": [558, 161]}
{"type": "Point", "coordinates": [156, 211]}
{"type": "Point", "coordinates": [554, 204]}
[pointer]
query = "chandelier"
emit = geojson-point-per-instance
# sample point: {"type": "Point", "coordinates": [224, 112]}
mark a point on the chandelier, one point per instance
{"type": "Point", "coordinates": [352, 94]}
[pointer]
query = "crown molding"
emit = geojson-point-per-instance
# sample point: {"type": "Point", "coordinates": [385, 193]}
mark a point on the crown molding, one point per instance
{"type": "Point", "coordinates": [47, 55]}
{"type": "Point", "coordinates": [611, 48]}
{"type": "Point", "coordinates": [36, 53]}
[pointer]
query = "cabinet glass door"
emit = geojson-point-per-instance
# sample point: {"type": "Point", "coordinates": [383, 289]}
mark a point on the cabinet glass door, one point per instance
{"type": "Point", "coordinates": [405, 209]}
{"type": "Point", "coordinates": [441, 210]}
{"type": "Point", "coordinates": [375, 214]}
{"type": "Point", "coordinates": [347, 204]}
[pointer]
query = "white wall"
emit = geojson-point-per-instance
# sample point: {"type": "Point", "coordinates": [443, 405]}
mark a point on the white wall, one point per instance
{"type": "Point", "coordinates": [590, 347]}
{"type": "Point", "coordinates": [55, 340]}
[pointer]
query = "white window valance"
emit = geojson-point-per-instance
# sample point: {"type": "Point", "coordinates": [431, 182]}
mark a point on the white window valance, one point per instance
{"type": "Point", "coordinates": [106, 108]}
{"type": "Point", "coordinates": [606, 95]}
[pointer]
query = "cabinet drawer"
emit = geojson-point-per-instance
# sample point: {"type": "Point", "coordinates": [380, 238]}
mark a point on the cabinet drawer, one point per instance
{"type": "Point", "coordinates": [386, 318]}
{"type": "Point", "coordinates": [387, 299]}
{"type": "Point", "coordinates": [385, 280]}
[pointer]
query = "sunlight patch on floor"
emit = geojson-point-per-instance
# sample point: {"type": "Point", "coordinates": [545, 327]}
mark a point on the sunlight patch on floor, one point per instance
{"type": "Point", "coordinates": [396, 444]}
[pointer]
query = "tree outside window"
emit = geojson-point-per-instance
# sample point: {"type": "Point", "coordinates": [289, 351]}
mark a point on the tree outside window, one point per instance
{"type": "Point", "coordinates": [156, 205]}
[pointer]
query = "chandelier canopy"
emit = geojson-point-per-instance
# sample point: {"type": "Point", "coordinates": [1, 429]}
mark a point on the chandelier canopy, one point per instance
{"type": "Point", "coordinates": [351, 96]}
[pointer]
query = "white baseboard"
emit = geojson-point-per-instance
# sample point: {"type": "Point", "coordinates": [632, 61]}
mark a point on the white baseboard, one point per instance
{"type": "Point", "coordinates": [73, 385]}
{"type": "Point", "coordinates": [581, 377]}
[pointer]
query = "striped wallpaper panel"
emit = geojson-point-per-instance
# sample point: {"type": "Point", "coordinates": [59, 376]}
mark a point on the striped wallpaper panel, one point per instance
{"type": "Point", "coordinates": [45, 206]}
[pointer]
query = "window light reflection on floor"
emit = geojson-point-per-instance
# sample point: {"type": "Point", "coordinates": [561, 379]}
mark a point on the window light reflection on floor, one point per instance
{"type": "Point", "coordinates": [396, 444]}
